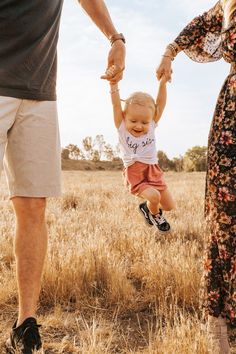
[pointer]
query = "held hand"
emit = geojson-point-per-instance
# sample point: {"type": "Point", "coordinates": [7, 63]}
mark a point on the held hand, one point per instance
{"type": "Point", "coordinates": [164, 68]}
{"type": "Point", "coordinates": [163, 80]}
{"type": "Point", "coordinates": [116, 63]}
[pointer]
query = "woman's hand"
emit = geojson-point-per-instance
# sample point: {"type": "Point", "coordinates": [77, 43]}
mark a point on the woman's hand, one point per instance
{"type": "Point", "coordinates": [164, 68]}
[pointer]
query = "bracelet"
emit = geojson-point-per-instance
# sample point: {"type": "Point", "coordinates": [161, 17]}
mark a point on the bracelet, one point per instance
{"type": "Point", "coordinates": [116, 37]}
{"type": "Point", "coordinates": [173, 48]}
{"type": "Point", "coordinates": [114, 91]}
{"type": "Point", "coordinates": [168, 56]}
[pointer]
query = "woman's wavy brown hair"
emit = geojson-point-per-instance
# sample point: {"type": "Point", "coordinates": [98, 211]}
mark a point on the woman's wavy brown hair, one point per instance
{"type": "Point", "coordinates": [229, 7]}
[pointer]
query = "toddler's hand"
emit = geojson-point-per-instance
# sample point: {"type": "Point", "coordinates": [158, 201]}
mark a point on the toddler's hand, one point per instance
{"type": "Point", "coordinates": [110, 72]}
{"type": "Point", "coordinates": [163, 79]}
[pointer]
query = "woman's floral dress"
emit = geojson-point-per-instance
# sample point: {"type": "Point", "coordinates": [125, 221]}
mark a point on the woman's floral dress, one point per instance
{"type": "Point", "coordinates": [206, 39]}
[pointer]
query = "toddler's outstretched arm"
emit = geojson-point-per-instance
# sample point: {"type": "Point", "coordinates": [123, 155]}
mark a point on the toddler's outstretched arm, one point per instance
{"type": "Point", "coordinates": [117, 109]}
{"type": "Point", "coordinates": [161, 98]}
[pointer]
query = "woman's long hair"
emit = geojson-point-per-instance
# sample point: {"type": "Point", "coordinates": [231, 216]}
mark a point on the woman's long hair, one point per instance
{"type": "Point", "coordinates": [229, 9]}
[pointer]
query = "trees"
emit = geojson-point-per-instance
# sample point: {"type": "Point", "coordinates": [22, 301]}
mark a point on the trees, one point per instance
{"type": "Point", "coordinates": [109, 152]}
{"type": "Point", "coordinates": [88, 147]}
{"type": "Point", "coordinates": [96, 149]}
{"type": "Point", "coordinates": [73, 152]}
{"type": "Point", "coordinates": [164, 162]}
{"type": "Point", "coordinates": [65, 153]}
{"type": "Point", "coordinates": [195, 159]}
{"type": "Point", "coordinates": [178, 163]}
{"type": "Point", "coordinates": [100, 144]}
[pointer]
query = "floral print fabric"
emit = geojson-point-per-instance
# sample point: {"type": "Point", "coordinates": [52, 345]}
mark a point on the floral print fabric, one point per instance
{"type": "Point", "coordinates": [205, 39]}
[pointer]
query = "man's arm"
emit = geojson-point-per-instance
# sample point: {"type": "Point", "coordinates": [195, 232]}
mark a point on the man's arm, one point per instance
{"type": "Point", "coordinates": [98, 12]}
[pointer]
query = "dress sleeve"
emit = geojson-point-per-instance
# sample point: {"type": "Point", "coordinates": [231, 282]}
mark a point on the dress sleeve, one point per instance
{"type": "Point", "coordinates": [201, 38]}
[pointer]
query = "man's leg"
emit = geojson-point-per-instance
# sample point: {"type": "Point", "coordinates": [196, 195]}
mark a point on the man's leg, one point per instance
{"type": "Point", "coordinates": [33, 168]}
{"type": "Point", "coordinates": [30, 250]}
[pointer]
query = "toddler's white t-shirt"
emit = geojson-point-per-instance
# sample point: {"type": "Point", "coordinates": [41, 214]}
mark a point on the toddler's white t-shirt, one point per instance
{"type": "Point", "coordinates": [142, 149]}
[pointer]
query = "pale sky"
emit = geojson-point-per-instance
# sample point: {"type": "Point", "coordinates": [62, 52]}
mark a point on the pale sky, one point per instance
{"type": "Point", "coordinates": [83, 98]}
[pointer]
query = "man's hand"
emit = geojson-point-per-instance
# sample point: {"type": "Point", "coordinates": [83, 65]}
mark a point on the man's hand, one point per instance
{"type": "Point", "coordinates": [164, 68]}
{"type": "Point", "coordinates": [116, 63]}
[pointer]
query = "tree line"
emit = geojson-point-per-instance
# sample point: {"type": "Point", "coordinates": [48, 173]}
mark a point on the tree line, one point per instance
{"type": "Point", "coordinates": [96, 149]}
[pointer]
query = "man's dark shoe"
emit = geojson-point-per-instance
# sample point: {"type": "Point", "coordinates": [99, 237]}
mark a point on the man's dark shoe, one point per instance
{"type": "Point", "coordinates": [160, 222]}
{"type": "Point", "coordinates": [145, 212]}
{"type": "Point", "coordinates": [25, 338]}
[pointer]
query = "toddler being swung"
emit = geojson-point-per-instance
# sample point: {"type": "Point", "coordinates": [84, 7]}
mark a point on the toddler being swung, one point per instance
{"type": "Point", "coordinates": [136, 125]}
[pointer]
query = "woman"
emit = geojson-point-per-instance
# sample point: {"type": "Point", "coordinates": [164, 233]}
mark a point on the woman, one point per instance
{"type": "Point", "coordinates": [208, 38]}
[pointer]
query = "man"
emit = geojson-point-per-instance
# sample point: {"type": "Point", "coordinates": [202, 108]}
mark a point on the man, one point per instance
{"type": "Point", "coordinates": [29, 135]}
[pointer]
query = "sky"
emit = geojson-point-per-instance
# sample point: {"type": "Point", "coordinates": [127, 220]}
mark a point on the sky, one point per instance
{"type": "Point", "coordinates": [84, 105]}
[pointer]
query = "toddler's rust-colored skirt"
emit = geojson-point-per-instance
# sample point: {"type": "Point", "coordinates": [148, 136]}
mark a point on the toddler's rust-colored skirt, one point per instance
{"type": "Point", "coordinates": [140, 176]}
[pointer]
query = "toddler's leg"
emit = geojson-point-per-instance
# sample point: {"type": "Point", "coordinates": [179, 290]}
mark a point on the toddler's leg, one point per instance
{"type": "Point", "coordinates": [153, 198]}
{"type": "Point", "coordinates": [167, 202]}
{"type": "Point", "coordinates": [151, 210]}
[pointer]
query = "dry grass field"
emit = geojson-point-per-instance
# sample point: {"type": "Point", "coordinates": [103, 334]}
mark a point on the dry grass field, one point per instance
{"type": "Point", "coordinates": [112, 285]}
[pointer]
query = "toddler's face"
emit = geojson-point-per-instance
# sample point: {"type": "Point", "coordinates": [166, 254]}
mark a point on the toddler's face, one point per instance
{"type": "Point", "coordinates": [138, 119]}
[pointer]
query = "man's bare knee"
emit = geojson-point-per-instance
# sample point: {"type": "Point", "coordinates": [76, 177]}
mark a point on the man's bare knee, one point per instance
{"type": "Point", "coordinates": [29, 209]}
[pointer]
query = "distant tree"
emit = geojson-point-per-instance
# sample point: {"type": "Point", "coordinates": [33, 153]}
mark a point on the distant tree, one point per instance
{"type": "Point", "coordinates": [188, 164]}
{"type": "Point", "coordinates": [75, 153]}
{"type": "Point", "coordinates": [195, 159]}
{"type": "Point", "coordinates": [178, 163]}
{"type": "Point", "coordinates": [65, 154]}
{"type": "Point", "coordinates": [116, 151]}
{"type": "Point", "coordinates": [88, 147]}
{"type": "Point", "coordinates": [164, 162]}
{"type": "Point", "coordinates": [99, 143]}
{"type": "Point", "coordinates": [95, 155]}
{"type": "Point", "coordinates": [109, 152]}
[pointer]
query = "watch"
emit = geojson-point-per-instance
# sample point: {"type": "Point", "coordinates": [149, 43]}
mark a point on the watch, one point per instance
{"type": "Point", "coordinates": [116, 37]}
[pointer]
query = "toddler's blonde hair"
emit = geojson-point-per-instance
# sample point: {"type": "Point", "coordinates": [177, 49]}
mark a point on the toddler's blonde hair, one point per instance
{"type": "Point", "coordinates": [142, 99]}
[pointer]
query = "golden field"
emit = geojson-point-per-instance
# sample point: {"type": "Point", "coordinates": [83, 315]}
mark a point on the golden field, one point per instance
{"type": "Point", "coordinates": [111, 284]}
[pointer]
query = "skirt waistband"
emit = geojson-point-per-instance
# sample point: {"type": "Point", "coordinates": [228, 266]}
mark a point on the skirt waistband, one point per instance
{"type": "Point", "coordinates": [233, 68]}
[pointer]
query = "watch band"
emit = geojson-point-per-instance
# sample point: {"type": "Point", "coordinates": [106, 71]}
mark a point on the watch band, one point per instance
{"type": "Point", "coordinates": [116, 37]}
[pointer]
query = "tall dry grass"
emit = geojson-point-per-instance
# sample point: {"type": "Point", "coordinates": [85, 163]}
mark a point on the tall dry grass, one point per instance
{"type": "Point", "coordinates": [110, 284]}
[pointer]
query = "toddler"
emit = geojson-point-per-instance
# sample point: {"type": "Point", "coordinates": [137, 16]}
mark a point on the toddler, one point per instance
{"type": "Point", "coordinates": [136, 129]}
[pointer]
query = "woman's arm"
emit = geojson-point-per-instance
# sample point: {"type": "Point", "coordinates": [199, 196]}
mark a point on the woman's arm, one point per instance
{"type": "Point", "coordinates": [161, 99]}
{"type": "Point", "coordinates": [116, 104]}
{"type": "Point", "coordinates": [165, 66]}
{"type": "Point", "coordinates": [202, 32]}
{"type": "Point", "coordinates": [200, 40]}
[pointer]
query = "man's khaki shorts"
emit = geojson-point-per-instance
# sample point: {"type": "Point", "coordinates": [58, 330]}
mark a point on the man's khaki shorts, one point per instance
{"type": "Point", "coordinates": [30, 147]}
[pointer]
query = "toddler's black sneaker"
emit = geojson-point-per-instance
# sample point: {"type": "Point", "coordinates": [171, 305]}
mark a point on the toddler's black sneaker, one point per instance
{"type": "Point", "coordinates": [145, 212]}
{"type": "Point", "coordinates": [160, 222]}
{"type": "Point", "coordinates": [24, 339]}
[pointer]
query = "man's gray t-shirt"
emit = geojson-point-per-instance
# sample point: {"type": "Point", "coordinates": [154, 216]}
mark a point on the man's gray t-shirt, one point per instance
{"type": "Point", "coordinates": [28, 48]}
